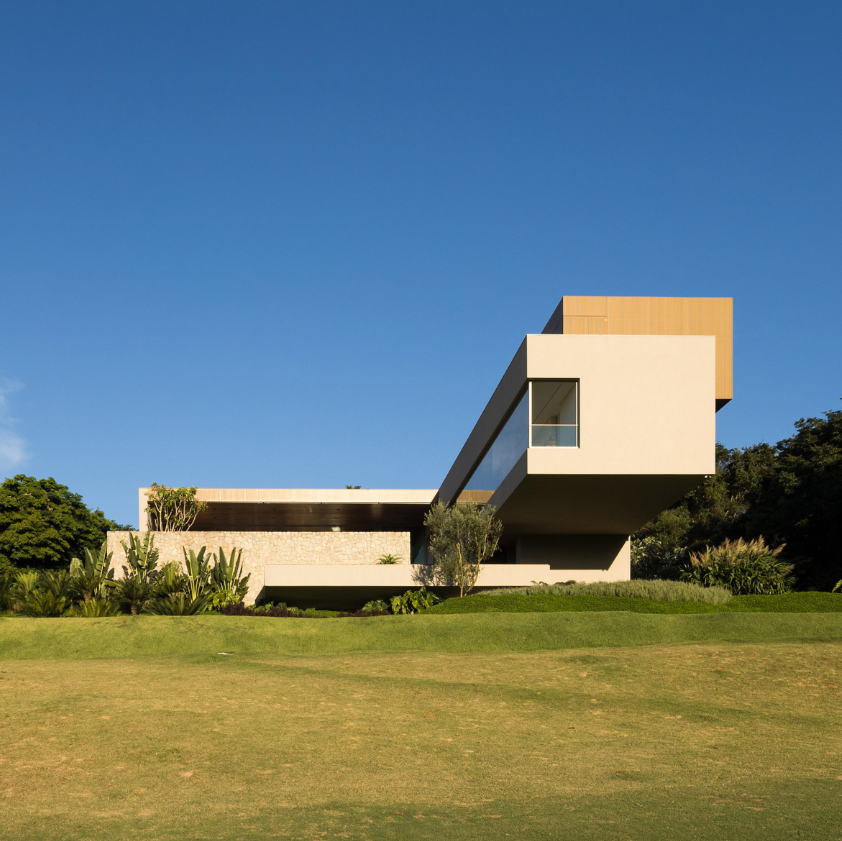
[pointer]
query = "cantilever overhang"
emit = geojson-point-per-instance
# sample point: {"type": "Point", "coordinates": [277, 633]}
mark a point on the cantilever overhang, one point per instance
{"type": "Point", "coordinates": [291, 509]}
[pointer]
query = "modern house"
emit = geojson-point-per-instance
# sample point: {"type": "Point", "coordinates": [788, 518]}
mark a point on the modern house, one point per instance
{"type": "Point", "coordinates": [600, 422]}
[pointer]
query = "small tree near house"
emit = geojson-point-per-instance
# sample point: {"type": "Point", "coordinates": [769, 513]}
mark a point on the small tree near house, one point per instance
{"type": "Point", "coordinates": [172, 509]}
{"type": "Point", "coordinates": [462, 538]}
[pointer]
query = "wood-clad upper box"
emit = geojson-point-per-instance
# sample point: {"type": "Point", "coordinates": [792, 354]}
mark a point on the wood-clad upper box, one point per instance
{"type": "Point", "coordinates": [626, 316]}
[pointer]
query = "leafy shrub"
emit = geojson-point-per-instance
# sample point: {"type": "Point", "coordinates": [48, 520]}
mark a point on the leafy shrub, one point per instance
{"type": "Point", "coordinates": [141, 555]}
{"type": "Point", "coordinates": [196, 571]}
{"type": "Point", "coordinates": [57, 582]}
{"type": "Point", "coordinates": [744, 568]}
{"type": "Point", "coordinates": [177, 604]}
{"type": "Point", "coordinates": [26, 582]}
{"type": "Point", "coordinates": [389, 559]}
{"type": "Point", "coordinates": [654, 558]}
{"type": "Point", "coordinates": [91, 577]}
{"type": "Point", "coordinates": [666, 591]}
{"type": "Point", "coordinates": [168, 580]}
{"type": "Point", "coordinates": [133, 594]}
{"type": "Point", "coordinates": [44, 603]}
{"type": "Point", "coordinates": [220, 598]}
{"type": "Point", "coordinates": [98, 607]}
{"type": "Point", "coordinates": [414, 601]}
{"type": "Point", "coordinates": [376, 606]}
{"type": "Point", "coordinates": [227, 575]}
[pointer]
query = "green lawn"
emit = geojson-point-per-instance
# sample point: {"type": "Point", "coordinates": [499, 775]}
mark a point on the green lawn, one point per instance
{"type": "Point", "coordinates": [524, 725]}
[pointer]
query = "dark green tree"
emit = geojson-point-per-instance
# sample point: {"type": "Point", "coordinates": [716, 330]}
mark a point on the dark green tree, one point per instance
{"type": "Point", "coordinates": [44, 525]}
{"type": "Point", "coordinates": [800, 502]}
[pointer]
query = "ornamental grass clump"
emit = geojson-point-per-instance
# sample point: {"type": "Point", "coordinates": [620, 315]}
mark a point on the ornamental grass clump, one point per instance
{"type": "Point", "coordinates": [746, 569]}
{"type": "Point", "coordinates": [665, 591]}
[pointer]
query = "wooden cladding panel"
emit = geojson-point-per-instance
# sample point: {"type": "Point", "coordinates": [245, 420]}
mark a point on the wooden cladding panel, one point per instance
{"type": "Point", "coordinates": [599, 315]}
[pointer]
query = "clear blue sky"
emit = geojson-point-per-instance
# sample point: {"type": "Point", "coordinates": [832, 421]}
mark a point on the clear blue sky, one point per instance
{"type": "Point", "coordinates": [272, 244]}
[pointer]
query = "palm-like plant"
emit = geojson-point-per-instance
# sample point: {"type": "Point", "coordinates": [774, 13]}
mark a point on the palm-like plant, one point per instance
{"type": "Point", "coordinates": [227, 574]}
{"type": "Point", "coordinates": [44, 603]}
{"type": "Point", "coordinates": [98, 607]}
{"type": "Point", "coordinates": [26, 582]}
{"type": "Point", "coordinates": [141, 555]}
{"type": "Point", "coordinates": [133, 593]}
{"type": "Point", "coordinates": [196, 571]}
{"type": "Point", "coordinates": [169, 580]}
{"type": "Point", "coordinates": [92, 576]}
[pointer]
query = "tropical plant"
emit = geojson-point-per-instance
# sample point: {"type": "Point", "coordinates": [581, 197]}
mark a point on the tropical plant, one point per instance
{"type": "Point", "coordinates": [91, 577]}
{"type": "Point", "coordinates": [414, 601]}
{"type": "Point", "coordinates": [177, 604]}
{"type": "Point", "coordinates": [389, 559]}
{"type": "Point", "coordinates": [196, 571]}
{"type": "Point", "coordinates": [222, 598]}
{"type": "Point", "coordinates": [44, 603]}
{"type": "Point", "coordinates": [227, 574]}
{"type": "Point", "coordinates": [133, 593]}
{"type": "Point", "coordinates": [168, 580]}
{"type": "Point", "coordinates": [172, 509]}
{"type": "Point", "coordinates": [26, 582]}
{"type": "Point", "coordinates": [462, 538]}
{"type": "Point", "coordinates": [837, 587]}
{"type": "Point", "coordinates": [744, 568]}
{"type": "Point", "coordinates": [44, 525]}
{"type": "Point", "coordinates": [376, 606]}
{"type": "Point", "coordinates": [97, 607]}
{"type": "Point", "coordinates": [141, 555]}
{"type": "Point", "coordinates": [56, 581]}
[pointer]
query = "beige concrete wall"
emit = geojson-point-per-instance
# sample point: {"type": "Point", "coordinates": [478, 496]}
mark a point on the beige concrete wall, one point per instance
{"type": "Point", "coordinates": [262, 548]}
{"type": "Point", "coordinates": [646, 406]}
{"type": "Point", "coordinates": [410, 577]}
{"type": "Point", "coordinates": [646, 403]}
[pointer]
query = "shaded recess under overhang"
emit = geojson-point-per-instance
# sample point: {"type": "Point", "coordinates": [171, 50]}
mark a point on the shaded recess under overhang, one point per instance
{"type": "Point", "coordinates": [584, 504]}
{"type": "Point", "coordinates": [296, 509]}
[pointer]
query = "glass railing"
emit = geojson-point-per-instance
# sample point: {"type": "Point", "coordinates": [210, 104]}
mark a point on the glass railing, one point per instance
{"type": "Point", "coordinates": [554, 435]}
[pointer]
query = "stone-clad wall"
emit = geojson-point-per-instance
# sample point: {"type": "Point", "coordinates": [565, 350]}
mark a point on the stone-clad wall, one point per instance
{"type": "Point", "coordinates": [273, 547]}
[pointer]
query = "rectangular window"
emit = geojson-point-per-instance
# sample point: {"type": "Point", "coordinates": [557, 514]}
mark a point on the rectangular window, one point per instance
{"type": "Point", "coordinates": [555, 413]}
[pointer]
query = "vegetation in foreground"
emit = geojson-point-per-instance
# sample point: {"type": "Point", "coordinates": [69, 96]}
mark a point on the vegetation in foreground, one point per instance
{"type": "Point", "coordinates": [704, 741]}
{"type": "Point", "coordinates": [514, 602]}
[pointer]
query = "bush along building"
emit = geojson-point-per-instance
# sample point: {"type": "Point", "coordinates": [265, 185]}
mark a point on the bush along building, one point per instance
{"type": "Point", "coordinates": [599, 423]}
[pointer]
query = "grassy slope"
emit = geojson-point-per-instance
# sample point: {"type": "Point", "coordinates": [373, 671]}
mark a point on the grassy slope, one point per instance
{"type": "Point", "coordinates": [546, 603]}
{"type": "Point", "coordinates": [709, 742]}
{"type": "Point", "coordinates": [156, 636]}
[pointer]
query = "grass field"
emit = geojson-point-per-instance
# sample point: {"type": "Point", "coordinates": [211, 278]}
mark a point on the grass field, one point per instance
{"type": "Point", "coordinates": [541, 725]}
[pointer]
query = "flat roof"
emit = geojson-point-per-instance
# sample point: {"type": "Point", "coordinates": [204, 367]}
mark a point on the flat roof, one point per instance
{"type": "Point", "coordinates": [290, 509]}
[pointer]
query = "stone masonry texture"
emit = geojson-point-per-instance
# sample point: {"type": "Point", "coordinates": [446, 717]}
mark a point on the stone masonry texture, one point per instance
{"type": "Point", "coordinates": [271, 547]}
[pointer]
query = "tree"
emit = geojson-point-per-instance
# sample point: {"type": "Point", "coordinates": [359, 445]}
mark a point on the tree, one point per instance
{"type": "Point", "coordinates": [462, 538]}
{"type": "Point", "coordinates": [800, 503]}
{"type": "Point", "coordinates": [43, 524]}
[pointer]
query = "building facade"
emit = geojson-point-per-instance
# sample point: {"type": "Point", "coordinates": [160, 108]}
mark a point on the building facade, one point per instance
{"type": "Point", "coordinates": [599, 423]}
